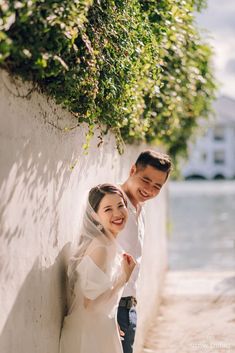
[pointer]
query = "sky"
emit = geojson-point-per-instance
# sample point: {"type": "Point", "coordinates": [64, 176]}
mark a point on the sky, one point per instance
{"type": "Point", "coordinates": [217, 25]}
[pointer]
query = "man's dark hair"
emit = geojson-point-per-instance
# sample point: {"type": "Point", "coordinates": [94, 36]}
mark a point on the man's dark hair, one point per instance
{"type": "Point", "coordinates": [157, 160]}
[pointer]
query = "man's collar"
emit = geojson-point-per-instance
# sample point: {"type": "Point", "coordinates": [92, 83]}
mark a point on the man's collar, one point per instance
{"type": "Point", "coordinates": [132, 207]}
{"type": "Point", "coordinates": [130, 204]}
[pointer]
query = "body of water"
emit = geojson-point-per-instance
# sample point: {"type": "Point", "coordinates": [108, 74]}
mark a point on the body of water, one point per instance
{"type": "Point", "coordinates": [202, 225]}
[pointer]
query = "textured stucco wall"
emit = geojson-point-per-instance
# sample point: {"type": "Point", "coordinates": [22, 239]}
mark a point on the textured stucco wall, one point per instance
{"type": "Point", "coordinates": [44, 176]}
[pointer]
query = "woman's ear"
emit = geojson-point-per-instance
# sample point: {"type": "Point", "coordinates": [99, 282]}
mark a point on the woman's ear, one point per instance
{"type": "Point", "coordinates": [95, 216]}
{"type": "Point", "coordinates": [97, 220]}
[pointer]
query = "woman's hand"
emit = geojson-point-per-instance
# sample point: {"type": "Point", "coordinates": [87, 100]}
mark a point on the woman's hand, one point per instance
{"type": "Point", "coordinates": [129, 264]}
{"type": "Point", "coordinates": [121, 333]}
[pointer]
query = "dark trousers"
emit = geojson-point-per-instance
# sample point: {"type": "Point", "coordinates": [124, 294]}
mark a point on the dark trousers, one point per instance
{"type": "Point", "coordinates": [127, 321]}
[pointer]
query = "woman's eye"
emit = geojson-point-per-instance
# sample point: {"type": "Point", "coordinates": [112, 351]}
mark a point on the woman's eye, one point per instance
{"type": "Point", "coordinates": [120, 206]}
{"type": "Point", "coordinates": [107, 209]}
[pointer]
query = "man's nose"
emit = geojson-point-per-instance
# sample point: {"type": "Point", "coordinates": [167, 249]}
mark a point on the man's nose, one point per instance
{"type": "Point", "coordinates": [149, 188]}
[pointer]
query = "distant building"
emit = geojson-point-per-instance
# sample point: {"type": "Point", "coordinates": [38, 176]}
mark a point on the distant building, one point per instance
{"type": "Point", "coordinates": [212, 155]}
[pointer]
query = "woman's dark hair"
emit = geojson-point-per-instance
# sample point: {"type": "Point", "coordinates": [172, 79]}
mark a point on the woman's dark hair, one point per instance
{"type": "Point", "coordinates": [97, 193]}
{"type": "Point", "coordinates": [157, 160]}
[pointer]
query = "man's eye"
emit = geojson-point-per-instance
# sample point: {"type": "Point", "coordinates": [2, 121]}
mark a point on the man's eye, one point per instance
{"type": "Point", "coordinates": [157, 188]}
{"type": "Point", "coordinates": [145, 181]}
{"type": "Point", "coordinates": [120, 206]}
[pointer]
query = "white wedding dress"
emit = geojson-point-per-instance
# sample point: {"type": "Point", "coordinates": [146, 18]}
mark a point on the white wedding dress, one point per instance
{"type": "Point", "coordinates": [91, 324]}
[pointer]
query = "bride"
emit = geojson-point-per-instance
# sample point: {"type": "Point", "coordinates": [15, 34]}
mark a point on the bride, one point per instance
{"type": "Point", "coordinates": [97, 273]}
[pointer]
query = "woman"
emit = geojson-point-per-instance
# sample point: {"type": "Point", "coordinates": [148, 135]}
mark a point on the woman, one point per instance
{"type": "Point", "coordinates": [97, 274]}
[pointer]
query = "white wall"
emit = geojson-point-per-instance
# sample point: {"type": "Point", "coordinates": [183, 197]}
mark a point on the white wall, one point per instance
{"type": "Point", "coordinates": [44, 176]}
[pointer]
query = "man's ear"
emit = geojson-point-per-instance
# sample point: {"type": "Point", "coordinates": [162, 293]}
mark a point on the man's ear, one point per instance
{"type": "Point", "coordinates": [133, 170]}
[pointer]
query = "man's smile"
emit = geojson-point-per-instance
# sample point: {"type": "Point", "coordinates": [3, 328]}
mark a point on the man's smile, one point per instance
{"type": "Point", "coordinates": [144, 193]}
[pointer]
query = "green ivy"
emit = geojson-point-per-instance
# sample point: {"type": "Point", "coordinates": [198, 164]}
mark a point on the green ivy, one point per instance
{"type": "Point", "coordinates": [138, 67]}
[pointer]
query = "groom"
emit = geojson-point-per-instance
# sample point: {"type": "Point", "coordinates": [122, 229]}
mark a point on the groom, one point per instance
{"type": "Point", "coordinates": [147, 177]}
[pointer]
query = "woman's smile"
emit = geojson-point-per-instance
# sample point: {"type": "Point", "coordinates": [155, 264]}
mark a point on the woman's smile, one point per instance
{"type": "Point", "coordinates": [118, 221]}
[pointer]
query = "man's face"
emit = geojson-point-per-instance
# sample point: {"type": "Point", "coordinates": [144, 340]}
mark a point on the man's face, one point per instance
{"type": "Point", "coordinates": [145, 183]}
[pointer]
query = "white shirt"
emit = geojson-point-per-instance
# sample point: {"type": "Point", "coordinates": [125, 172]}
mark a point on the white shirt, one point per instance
{"type": "Point", "coordinates": [131, 240]}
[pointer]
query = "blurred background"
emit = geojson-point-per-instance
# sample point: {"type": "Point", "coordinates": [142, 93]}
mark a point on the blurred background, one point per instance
{"type": "Point", "coordinates": [202, 203]}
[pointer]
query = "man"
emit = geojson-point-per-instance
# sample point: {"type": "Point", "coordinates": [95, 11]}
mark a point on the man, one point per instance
{"type": "Point", "coordinates": [146, 179]}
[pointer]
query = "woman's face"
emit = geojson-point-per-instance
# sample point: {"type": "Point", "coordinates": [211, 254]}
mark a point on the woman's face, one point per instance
{"type": "Point", "coordinates": [112, 212]}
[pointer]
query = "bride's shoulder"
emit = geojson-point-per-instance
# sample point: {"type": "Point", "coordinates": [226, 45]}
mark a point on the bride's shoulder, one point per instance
{"type": "Point", "coordinates": [98, 252]}
{"type": "Point", "coordinates": [97, 244]}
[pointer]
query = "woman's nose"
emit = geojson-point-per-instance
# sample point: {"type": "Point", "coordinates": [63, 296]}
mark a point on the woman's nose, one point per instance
{"type": "Point", "coordinates": [117, 213]}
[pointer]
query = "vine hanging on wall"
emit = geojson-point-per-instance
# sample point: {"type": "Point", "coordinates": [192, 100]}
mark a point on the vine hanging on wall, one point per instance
{"type": "Point", "coordinates": [138, 67]}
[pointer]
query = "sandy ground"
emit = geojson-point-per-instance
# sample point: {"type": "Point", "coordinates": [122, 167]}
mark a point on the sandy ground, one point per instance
{"type": "Point", "coordinates": [197, 314]}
